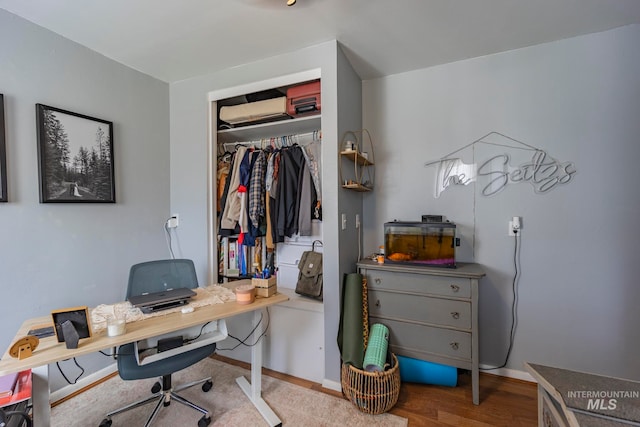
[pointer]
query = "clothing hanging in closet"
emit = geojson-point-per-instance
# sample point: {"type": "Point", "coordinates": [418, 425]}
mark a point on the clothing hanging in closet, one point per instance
{"type": "Point", "coordinates": [268, 192]}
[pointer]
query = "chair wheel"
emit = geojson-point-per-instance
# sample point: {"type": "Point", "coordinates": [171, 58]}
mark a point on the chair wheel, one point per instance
{"type": "Point", "coordinates": [207, 386]}
{"type": "Point", "coordinates": [204, 421]}
{"type": "Point", "coordinates": [105, 423]}
{"type": "Point", "coordinates": [156, 388]}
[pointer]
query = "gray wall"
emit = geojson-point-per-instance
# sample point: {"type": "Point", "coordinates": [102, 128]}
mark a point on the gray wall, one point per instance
{"type": "Point", "coordinates": [578, 99]}
{"type": "Point", "coordinates": [349, 92]}
{"type": "Point", "coordinates": [63, 255]}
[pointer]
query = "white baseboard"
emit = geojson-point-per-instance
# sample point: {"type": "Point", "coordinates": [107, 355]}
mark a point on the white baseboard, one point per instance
{"type": "Point", "coordinates": [510, 373]}
{"type": "Point", "coordinates": [84, 382]}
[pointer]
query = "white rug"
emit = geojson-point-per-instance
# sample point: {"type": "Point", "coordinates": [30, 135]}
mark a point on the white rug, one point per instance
{"type": "Point", "coordinates": [295, 405]}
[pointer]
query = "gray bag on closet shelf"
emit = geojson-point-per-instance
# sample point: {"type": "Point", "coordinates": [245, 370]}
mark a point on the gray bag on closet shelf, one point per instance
{"type": "Point", "coordinates": [310, 276]}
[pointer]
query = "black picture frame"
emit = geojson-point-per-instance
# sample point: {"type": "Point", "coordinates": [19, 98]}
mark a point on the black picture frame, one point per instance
{"type": "Point", "coordinates": [3, 155]}
{"type": "Point", "coordinates": [79, 318]}
{"type": "Point", "coordinates": [75, 157]}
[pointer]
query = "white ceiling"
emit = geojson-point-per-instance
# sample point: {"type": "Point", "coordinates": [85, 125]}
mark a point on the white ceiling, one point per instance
{"type": "Point", "coordinates": [177, 39]}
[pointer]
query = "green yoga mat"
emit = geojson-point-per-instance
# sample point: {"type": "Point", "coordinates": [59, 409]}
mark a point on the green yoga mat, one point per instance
{"type": "Point", "coordinates": [376, 354]}
{"type": "Point", "coordinates": [351, 328]}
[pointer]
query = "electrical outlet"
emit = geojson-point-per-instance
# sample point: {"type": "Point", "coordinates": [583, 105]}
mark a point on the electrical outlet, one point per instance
{"type": "Point", "coordinates": [515, 226]}
{"type": "Point", "coordinates": [516, 223]}
{"type": "Point", "coordinates": [344, 221]}
{"type": "Point", "coordinates": [174, 221]}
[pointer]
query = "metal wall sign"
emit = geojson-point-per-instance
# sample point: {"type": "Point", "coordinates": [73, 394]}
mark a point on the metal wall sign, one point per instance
{"type": "Point", "coordinates": [541, 171]}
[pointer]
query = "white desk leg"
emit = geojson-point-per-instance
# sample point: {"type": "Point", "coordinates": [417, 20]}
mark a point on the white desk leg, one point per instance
{"type": "Point", "coordinates": [254, 390]}
{"type": "Point", "coordinates": [40, 396]}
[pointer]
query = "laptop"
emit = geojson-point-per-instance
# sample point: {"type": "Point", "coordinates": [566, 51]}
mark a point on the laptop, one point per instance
{"type": "Point", "coordinates": [156, 301]}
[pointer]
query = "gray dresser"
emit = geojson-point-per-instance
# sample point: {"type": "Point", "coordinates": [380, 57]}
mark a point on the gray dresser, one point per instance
{"type": "Point", "coordinates": [431, 312]}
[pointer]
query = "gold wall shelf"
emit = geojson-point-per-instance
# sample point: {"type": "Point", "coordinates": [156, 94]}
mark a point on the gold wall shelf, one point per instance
{"type": "Point", "coordinates": [360, 153]}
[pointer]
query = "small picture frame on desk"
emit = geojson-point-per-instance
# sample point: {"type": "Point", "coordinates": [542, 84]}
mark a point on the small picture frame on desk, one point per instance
{"type": "Point", "coordinates": [71, 325]}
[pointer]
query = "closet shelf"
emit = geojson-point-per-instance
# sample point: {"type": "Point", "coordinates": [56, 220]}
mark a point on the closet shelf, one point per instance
{"type": "Point", "coordinates": [270, 129]}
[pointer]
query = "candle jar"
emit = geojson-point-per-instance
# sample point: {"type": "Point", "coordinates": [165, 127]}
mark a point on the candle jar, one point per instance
{"type": "Point", "coordinates": [116, 325]}
{"type": "Point", "coordinates": [245, 294]}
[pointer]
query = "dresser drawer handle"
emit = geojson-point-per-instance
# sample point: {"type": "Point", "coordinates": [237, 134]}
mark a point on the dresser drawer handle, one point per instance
{"type": "Point", "coordinates": [455, 288]}
{"type": "Point", "coordinates": [378, 281]}
{"type": "Point", "coordinates": [455, 314]}
{"type": "Point", "coordinates": [377, 303]}
{"type": "Point", "coordinates": [454, 345]}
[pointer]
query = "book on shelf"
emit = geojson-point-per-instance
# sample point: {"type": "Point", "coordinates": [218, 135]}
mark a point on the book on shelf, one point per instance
{"type": "Point", "coordinates": [242, 256]}
{"type": "Point", "coordinates": [233, 259]}
{"type": "Point", "coordinates": [7, 383]}
{"type": "Point", "coordinates": [20, 390]}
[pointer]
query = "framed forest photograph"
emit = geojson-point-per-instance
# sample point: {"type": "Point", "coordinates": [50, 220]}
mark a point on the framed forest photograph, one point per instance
{"type": "Point", "coordinates": [75, 157]}
{"type": "Point", "coordinates": [3, 155]}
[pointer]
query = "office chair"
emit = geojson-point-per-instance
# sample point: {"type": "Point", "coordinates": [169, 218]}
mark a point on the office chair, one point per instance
{"type": "Point", "coordinates": [155, 276]}
{"type": "Point", "coordinates": [5, 420]}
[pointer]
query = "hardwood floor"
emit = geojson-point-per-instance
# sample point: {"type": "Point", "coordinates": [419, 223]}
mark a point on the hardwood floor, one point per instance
{"type": "Point", "coordinates": [504, 402]}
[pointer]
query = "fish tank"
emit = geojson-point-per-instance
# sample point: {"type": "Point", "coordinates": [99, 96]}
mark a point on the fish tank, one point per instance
{"type": "Point", "coordinates": [421, 243]}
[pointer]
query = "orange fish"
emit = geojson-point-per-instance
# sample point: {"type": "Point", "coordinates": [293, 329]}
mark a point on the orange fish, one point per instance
{"type": "Point", "coordinates": [397, 256]}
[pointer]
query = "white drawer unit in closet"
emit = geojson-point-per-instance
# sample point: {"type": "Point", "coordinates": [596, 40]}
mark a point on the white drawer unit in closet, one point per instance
{"type": "Point", "coordinates": [431, 312]}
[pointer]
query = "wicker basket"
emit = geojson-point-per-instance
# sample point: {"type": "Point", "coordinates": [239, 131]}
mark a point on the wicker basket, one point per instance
{"type": "Point", "coordinates": [371, 392]}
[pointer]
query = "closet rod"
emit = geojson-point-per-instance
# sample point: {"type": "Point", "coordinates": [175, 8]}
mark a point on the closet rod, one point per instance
{"type": "Point", "coordinates": [280, 141]}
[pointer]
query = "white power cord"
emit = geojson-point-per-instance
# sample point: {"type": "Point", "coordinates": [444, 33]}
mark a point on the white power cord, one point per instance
{"type": "Point", "coordinates": [167, 236]}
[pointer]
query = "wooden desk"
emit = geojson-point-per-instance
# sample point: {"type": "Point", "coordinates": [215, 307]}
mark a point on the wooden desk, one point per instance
{"type": "Point", "coordinates": [49, 350]}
